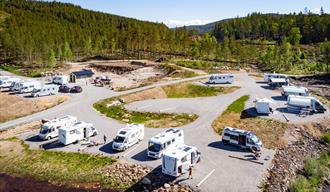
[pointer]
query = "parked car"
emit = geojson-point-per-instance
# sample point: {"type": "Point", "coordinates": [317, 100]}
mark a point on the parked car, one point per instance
{"type": "Point", "coordinates": [64, 89]}
{"type": "Point", "coordinates": [76, 89]}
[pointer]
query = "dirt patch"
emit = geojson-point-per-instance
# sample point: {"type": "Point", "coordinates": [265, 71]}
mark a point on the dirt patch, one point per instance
{"type": "Point", "coordinates": [154, 93]}
{"type": "Point", "coordinates": [20, 129]}
{"type": "Point", "coordinates": [10, 149]}
{"type": "Point", "coordinates": [13, 106]}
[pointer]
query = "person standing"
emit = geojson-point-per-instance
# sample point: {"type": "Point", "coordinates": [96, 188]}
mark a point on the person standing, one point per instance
{"type": "Point", "coordinates": [104, 138]}
{"type": "Point", "coordinates": [190, 172]}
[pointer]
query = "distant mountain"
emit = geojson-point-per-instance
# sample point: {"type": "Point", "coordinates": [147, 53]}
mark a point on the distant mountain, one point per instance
{"type": "Point", "coordinates": [207, 28]}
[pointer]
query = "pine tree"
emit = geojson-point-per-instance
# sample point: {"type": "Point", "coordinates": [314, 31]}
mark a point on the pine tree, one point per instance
{"type": "Point", "coordinates": [68, 56]}
{"type": "Point", "coordinates": [51, 59]}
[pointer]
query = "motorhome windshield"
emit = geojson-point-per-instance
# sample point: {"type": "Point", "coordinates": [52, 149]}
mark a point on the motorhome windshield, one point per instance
{"type": "Point", "coordinates": [255, 139]}
{"type": "Point", "coordinates": [154, 147]}
{"type": "Point", "coordinates": [35, 90]}
{"type": "Point", "coordinates": [119, 139]}
{"type": "Point", "coordinates": [44, 131]}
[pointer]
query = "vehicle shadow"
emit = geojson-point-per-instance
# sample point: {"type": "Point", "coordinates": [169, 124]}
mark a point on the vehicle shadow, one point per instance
{"type": "Point", "coordinates": [152, 181]}
{"type": "Point", "coordinates": [34, 138]}
{"type": "Point", "coordinates": [261, 82]}
{"type": "Point", "coordinates": [285, 110]}
{"type": "Point", "coordinates": [221, 145]}
{"type": "Point", "coordinates": [107, 148]}
{"type": "Point", "coordinates": [142, 156]}
{"type": "Point", "coordinates": [52, 145]}
{"type": "Point", "coordinates": [267, 87]}
{"type": "Point", "coordinates": [278, 98]}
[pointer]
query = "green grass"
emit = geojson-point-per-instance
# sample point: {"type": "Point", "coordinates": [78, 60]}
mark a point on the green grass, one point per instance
{"type": "Point", "coordinates": [63, 167]}
{"type": "Point", "coordinates": [199, 64]}
{"type": "Point", "coordinates": [16, 69]}
{"type": "Point", "coordinates": [314, 173]}
{"type": "Point", "coordinates": [326, 137]}
{"type": "Point", "coordinates": [188, 90]}
{"type": "Point", "coordinates": [237, 106]}
{"type": "Point", "coordinates": [156, 120]}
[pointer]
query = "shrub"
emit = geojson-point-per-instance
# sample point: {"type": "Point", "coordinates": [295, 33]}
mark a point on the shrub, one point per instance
{"type": "Point", "coordinates": [300, 184]}
{"type": "Point", "coordinates": [326, 138]}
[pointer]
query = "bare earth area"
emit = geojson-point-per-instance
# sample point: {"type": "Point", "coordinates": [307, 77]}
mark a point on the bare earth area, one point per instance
{"type": "Point", "coordinates": [13, 107]}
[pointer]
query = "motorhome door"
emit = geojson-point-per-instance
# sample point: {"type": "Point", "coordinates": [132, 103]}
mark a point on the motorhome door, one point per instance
{"type": "Point", "coordinates": [242, 140]}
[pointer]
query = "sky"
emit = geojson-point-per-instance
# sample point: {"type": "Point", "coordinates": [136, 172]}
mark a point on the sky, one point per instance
{"type": "Point", "coordinates": [176, 13]}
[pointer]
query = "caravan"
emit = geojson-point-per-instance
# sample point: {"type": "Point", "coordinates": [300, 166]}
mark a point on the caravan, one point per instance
{"type": "Point", "coordinates": [268, 76]}
{"type": "Point", "coordinates": [178, 160]}
{"type": "Point", "coordinates": [128, 136]}
{"type": "Point", "coordinates": [293, 90]}
{"type": "Point", "coordinates": [50, 129]}
{"type": "Point", "coordinates": [7, 82]}
{"type": "Point", "coordinates": [60, 80]}
{"type": "Point", "coordinates": [29, 86]}
{"type": "Point", "coordinates": [221, 78]}
{"type": "Point", "coordinates": [76, 132]}
{"type": "Point", "coordinates": [264, 106]}
{"type": "Point", "coordinates": [241, 138]}
{"type": "Point", "coordinates": [164, 141]}
{"type": "Point", "coordinates": [45, 90]}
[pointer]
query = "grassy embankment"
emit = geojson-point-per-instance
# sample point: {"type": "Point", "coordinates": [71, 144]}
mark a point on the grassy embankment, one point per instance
{"type": "Point", "coordinates": [269, 131]}
{"type": "Point", "coordinates": [314, 173]}
{"type": "Point", "coordinates": [71, 169]}
{"type": "Point", "coordinates": [158, 120]}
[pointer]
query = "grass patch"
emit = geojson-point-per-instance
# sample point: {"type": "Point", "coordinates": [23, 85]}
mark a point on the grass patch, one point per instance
{"type": "Point", "coordinates": [269, 131]}
{"type": "Point", "coordinates": [188, 90]}
{"type": "Point", "coordinates": [199, 64]}
{"type": "Point", "coordinates": [314, 173]}
{"type": "Point", "coordinates": [61, 167]}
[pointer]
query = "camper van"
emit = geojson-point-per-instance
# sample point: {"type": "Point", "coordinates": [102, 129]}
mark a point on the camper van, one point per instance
{"type": "Point", "coordinates": [278, 82]}
{"type": "Point", "coordinates": [76, 132]}
{"type": "Point", "coordinates": [29, 86]}
{"type": "Point", "coordinates": [61, 80]}
{"type": "Point", "coordinates": [177, 161]}
{"type": "Point", "coordinates": [50, 129]}
{"type": "Point", "coordinates": [268, 76]}
{"type": "Point", "coordinates": [241, 138]}
{"type": "Point", "coordinates": [163, 141]}
{"type": "Point", "coordinates": [45, 90]}
{"type": "Point", "coordinates": [263, 106]}
{"type": "Point", "coordinates": [298, 103]}
{"type": "Point", "coordinates": [293, 90]}
{"type": "Point", "coordinates": [7, 82]}
{"type": "Point", "coordinates": [15, 85]}
{"type": "Point", "coordinates": [221, 78]}
{"type": "Point", "coordinates": [128, 136]}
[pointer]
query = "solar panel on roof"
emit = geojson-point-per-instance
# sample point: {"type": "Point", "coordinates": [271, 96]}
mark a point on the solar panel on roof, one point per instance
{"type": "Point", "coordinates": [186, 149]}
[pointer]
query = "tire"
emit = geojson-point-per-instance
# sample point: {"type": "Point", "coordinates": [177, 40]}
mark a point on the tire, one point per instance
{"type": "Point", "coordinates": [94, 134]}
{"type": "Point", "coordinates": [48, 138]}
{"type": "Point", "coordinates": [254, 148]}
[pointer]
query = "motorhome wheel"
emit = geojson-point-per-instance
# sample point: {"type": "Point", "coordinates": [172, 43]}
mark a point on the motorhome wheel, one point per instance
{"type": "Point", "coordinates": [254, 148]}
{"type": "Point", "coordinates": [48, 138]}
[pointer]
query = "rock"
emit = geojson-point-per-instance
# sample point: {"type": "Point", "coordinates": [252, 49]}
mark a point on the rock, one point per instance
{"type": "Point", "coordinates": [146, 181]}
{"type": "Point", "coordinates": [166, 185]}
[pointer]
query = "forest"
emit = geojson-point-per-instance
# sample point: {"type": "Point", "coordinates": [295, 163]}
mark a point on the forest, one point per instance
{"type": "Point", "coordinates": [45, 34]}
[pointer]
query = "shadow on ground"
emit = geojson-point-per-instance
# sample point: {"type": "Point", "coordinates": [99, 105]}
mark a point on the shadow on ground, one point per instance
{"type": "Point", "coordinates": [142, 156]}
{"type": "Point", "coordinates": [278, 98]}
{"type": "Point", "coordinates": [221, 145]}
{"type": "Point", "coordinates": [107, 148]}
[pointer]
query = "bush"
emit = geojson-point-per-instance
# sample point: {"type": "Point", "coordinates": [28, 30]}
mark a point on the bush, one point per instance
{"type": "Point", "coordinates": [326, 138]}
{"type": "Point", "coordinates": [300, 184]}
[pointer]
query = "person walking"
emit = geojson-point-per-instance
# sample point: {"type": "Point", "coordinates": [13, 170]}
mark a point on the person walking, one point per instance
{"type": "Point", "coordinates": [104, 138]}
{"type": "Point", "coordinates": [190, 172]}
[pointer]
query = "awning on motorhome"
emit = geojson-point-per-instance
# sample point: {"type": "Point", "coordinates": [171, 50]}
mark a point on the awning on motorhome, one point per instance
{"type": "Point", "coordinates": [278, 80]}
{"type": "Point", "coordinates": [265, 100]}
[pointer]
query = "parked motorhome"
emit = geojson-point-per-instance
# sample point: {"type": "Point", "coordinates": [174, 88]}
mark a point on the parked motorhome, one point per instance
{"type": "Point", "coordinates": [268, 76]}
{"type": "Point", "coordinates": [263, 106]}
{"type": "Point", "coordinates": [15, 85]}
{"type": "Point", "coordinates": [241, 138]}
{"type": "Point", "coordinates": [50, 129]}
{"type": "Point", "coordinates": [29, 86]}
{"type": "Point", "coordinates": [4, 77]}
{"type": "Point", "coordinates": [128, 136]}
{"type": "Point", "coordinates": [293, 90]}
{"type": "Point", "coordinates": [7, 82]}
{"type": "Point", "coordinates": [45, 90]}
{"type": "Point", "coordinates": [221, 78]}
{"type": "Point", "coordinates": [298, 103]}
{"type": "Point", "coordinates": [76, 132]}
{"type": "Point", "coordinates": [164, 141]}
{"type": "Point", "coordinates": [278, 82]}
{"type": "Point", "coordinates": [177, 161]}
{"type": "Point", "coordinates": [61, 80]}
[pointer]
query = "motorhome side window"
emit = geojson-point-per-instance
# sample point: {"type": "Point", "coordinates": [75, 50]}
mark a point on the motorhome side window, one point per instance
{"type": "Point", "coordinates": [250, 141]}
{"type": "Point", "coordinates": [173, 140]}
{"type": "Point", "coordinates": [227, 134]}
{"type": "Point", "coordinates": [233, 137]}
{"type": "Point", "coordinates": [168, 143]}
{"type": "Point", "coordinates": [184, 159]}
{"type": "Point", "coordinates": [180, 135]}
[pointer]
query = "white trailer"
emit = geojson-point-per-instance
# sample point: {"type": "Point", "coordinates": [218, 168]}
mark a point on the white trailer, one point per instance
{"type": "Point", "coordinates": [128, 136]}
{"type": "Point", "coordinates": [241, 138]}
{"type": "Point", "coordinates": [293, 90]}
{"type": "Point", "coordinates": [221, 78]}
{"type": "Point", "coordinates": [76, 132]}
{"type": "Point", "coordinates": [7, 82]}
{"type": "Point", "coordinates": [50, 129]}
{"type": "Point", "coordinates": [45, 90]}
{"type": "Point", "coordinates": [268, 76]}
{"type": "Point", "coordinates": [29, 86]}
{"type": "Point", "coordinates": [60, 80]}
{"type": "Point", "coordinates": [178, 160]}
{"type": "Point", "coordinates": [301, 103]}
{"type": "Point", "coordinates": [162, 142]}
{"type": "Point", "coordinates": [263, 106]}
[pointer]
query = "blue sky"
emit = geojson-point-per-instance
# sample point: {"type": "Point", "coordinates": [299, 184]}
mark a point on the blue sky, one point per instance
{"type": "Point", "coordinates": [187, 12]}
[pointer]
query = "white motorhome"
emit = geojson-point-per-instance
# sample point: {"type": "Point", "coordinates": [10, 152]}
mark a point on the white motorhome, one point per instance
{"type": "Point", "coordinates": [15, 85]}
{"type": "Point", "coordinates": [61, 80]}
{"type": "Point", "coordinates": [4, 77]}
{"type": "Point", "coordinates": [278, 82]}
{"type": "Point", "coordinates": [221, 78]}
{"type": "Point", "coordinates": [45, 90]}
{"type": "Point", "coordinates": [163, 141]}
{"type": "Point", "coordinates": [298, 103]}
{"type": "Point", "coordinates": [178, 160]}
{"type": "Point", "coordinates": [268, 76]}
{"type": "Point", "coordinates": [293, 90]}
{"type": "Point", "coordinates": [241, 138]}
{"type": "Point", "coordinates": [263, 106]}
{"type": "Point", "coordinates": [29, 86]}
{"type": "Point", "coordinates": [50, 129]}
{"type": "Point", "coordinates": [76, 132]}
{"type": "Point", "coordinates": [128, 136]}
{"type": "Point", "coordinates": [7, 82]}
